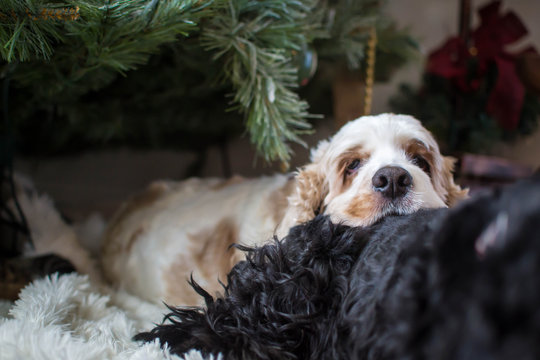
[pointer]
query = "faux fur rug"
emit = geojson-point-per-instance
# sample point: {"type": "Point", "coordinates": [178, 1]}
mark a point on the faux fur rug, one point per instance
{"type": "Point", "coordinates": [66, 317]}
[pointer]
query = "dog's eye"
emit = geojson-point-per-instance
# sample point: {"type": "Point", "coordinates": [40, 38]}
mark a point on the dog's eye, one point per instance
{"type": "Point", "coordinates": [422, 164]}
{"type": "Point", "coordinates": [353, 166]}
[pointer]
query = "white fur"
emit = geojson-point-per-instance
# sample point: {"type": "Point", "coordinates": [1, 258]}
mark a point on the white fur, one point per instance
{"type": "Point", "coordinates": [67, 318]}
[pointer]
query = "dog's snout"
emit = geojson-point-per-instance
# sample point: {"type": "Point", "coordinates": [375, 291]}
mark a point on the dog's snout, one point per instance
{"type": "Point", "coordinates": [392, 181]}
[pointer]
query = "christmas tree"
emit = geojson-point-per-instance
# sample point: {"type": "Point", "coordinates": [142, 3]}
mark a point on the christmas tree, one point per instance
{"type": "Point", "coordinates": [176, 73]}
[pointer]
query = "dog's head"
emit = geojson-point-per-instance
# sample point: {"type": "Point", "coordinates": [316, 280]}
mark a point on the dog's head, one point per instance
{"type": "Point", "coordinates": [374, 166]}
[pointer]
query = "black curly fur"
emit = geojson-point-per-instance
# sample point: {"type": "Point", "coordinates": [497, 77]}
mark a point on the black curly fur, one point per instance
{"type": "Point", "coordinates": [444, 300]}
{"type": "Point", "coordinates": [409, 287]}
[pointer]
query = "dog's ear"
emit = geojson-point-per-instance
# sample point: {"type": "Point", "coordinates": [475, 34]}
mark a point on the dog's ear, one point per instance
{"type": "Point", "coordinates": [310, 190]}
{"type": "Point", "coordinates": [454, 192]}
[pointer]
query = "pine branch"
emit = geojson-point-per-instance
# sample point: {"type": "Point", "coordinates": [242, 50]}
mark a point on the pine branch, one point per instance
{"type": "Point", "coordinates": [254, 41]}
{"type": "Point", "coordinates": [23, 34]}
{"type": "Point", "coordinates": [88, 53]}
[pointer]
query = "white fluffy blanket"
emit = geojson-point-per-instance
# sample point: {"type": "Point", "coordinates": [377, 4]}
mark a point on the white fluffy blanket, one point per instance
{"type": "Point", "coordinates": [67, 317]}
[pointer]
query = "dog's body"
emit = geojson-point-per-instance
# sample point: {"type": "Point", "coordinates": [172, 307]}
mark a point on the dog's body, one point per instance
{"type": "Point", "coordinates": [373, 167]}
{"type": "Point", "coordinates": [163, 235]}
{"type": "Point", "coordinates": [435, 284]}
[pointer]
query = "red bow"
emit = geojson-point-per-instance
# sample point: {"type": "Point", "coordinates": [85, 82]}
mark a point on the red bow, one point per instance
{"type": "Point", "coordinates": [488, 43]}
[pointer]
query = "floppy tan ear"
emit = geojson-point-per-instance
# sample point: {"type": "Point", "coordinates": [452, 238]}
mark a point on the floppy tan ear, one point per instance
{"type": "Point", "coordinates": [310, 190]}
{"type": "Point", "coordinates": [454, 192]}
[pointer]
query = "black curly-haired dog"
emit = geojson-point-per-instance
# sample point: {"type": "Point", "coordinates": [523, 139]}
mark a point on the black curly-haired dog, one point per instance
{"type": "Point", "coordinates": [438, 284]}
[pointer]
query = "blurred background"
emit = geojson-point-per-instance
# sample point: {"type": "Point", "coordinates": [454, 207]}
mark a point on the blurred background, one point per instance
{"type": "Point", "coordinates": [98, 104]}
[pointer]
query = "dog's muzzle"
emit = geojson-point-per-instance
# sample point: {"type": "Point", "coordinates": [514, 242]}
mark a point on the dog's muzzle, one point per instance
{"type": "Point", "coordinates": [392, 182]}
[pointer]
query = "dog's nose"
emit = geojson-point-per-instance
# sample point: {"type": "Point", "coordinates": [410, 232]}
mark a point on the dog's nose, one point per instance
{"type": "Point", "coordinates": [392, 181]}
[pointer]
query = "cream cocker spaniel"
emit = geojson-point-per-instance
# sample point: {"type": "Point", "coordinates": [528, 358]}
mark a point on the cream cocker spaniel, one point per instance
{"type": "Point", "coordinates": [374, 166]}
